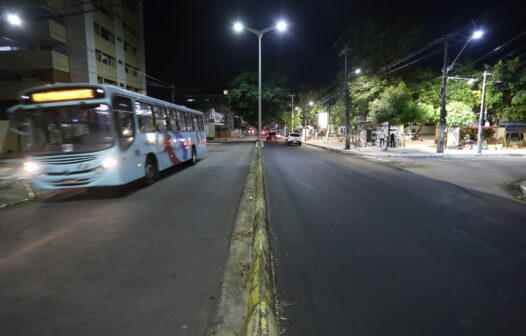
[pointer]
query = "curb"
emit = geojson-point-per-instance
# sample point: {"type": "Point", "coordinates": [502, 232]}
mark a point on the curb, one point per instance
{"type": "Point", "coordinates": [415, 155]}
{"type": "Point", "coordinates": [522, 187]}
{"type": "Point", "coordinates": [24, 191]}
{"type": "Point", "coordinates": [247, 305]}
{"type": "Point", "coordinates": [386, 154]}
{"type": "Point", "coordinates": [261, 307]}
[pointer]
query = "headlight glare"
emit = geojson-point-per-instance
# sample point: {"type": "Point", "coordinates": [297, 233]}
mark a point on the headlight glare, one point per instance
{"type": "Point", "coordinates": [31, 167]}
{"type": "Point", "coordinates": [109, 163]}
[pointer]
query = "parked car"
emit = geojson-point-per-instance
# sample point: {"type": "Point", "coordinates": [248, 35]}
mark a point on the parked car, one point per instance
{"type": "Point", "coordinates": [293, 139]}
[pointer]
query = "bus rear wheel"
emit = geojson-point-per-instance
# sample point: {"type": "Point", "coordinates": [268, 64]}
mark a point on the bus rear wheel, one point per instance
{"type": "Point", "coordinates": [151, 173]}
{"type": "Point", "coordinates": [193, 159]}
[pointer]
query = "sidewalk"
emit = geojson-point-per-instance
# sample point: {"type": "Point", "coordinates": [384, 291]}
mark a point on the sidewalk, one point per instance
{"type": "Point", "coordinates": [425, 148]}
{"type": "Point", "coordinates": [14, 183]}
{"type": "Point", "coordinates": [416, 149]}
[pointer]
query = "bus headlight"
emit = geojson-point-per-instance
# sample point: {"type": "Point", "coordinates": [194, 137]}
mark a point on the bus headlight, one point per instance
{"type": "Point", "coordinates": [31, 167]}
{"type": "Point", "coordinates": [109, 163]}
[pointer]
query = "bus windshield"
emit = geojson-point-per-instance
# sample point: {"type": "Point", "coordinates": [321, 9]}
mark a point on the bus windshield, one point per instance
{"type": "Point", "coordinates": [69, 129]}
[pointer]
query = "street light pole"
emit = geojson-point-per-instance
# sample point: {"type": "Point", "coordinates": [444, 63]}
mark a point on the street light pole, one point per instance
{"type": "Point", "coordinates": [443, 112]}
{"type": "Point", "coordinates": [446, 69]}
{"type": "Point", "coordinates": [238, 27]}
{"type": "Point", "coordinates": [292, 112]}
{"type": "Point", "coordinates": [347, 100]}
{"type": "Point", "coordinates": [481, 117]}
{"type": "Point", "coordinates": [260, 36]}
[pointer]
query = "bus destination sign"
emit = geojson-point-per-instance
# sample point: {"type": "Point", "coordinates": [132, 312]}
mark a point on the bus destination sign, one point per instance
{"type": "Point", "coordinates": [62, 95]}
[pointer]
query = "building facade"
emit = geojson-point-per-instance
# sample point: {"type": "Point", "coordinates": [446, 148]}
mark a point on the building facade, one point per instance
{"type": "Point", "coordinates": [66, 41]}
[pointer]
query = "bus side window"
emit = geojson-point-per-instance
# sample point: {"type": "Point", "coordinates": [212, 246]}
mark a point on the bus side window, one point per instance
{"type": "Point", "coordinates": [175, 120]}
{"type": "Point", "coordinates": [145, 117]}
{"type": "Point", "coordinates": [194, 122]}
{"type": "Point", "coordinates": [159, 114]}
{"type": "Point", "coordinates": [122, 107]}
{"type": "Point", "coordinates": [189, 126]}
{"type": "Point", "coordinates": [182, 120]}
{"type": "Point", "coordinates": [201, 123]}
{"type": "Point", "coordinates": [169, 119]}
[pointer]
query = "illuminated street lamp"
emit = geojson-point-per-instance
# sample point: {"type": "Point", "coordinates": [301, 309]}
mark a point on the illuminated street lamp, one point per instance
{"type": "Point", "coordinates": [446, 69]}
{"type": "Point", "coordinates": [238, 28]}
{"type": "Point", "coordinates": [14, 19]}
{"type": "Point", "coordinates": [358, 71]}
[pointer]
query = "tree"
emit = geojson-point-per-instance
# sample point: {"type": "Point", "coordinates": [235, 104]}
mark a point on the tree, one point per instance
{"type": "Point", "coordinates": [243, 96]}
{"type": "Point", "coordinates": [394, 106]}
{"type": "Point", "coordinates": [459, 114]}
{"type": "Point", "coordinates": [363, 92]}
{"type": "Point", "coordinates": [506, 91]}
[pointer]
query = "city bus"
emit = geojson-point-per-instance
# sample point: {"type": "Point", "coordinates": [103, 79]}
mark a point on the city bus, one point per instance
{"type": "Point", "coordinates": [89, 135]}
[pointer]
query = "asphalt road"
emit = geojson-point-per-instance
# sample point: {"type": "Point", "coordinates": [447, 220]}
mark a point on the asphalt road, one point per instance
{"type": "Point", "coordinates": [148, 261]}
{"type": "Point", "coordinates": [367, 249]}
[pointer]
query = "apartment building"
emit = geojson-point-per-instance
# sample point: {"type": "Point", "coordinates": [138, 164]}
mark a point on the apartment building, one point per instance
{"type": "Point", "coordinates": [62, 41]}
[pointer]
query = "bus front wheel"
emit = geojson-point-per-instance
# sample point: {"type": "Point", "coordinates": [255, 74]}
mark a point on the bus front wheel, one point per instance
{"type": "Point", "coordinates": [151, 173]}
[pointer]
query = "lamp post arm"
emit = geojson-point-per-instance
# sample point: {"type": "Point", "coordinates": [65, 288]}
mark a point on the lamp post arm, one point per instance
{"type": "Point", "coordinates": [254, 31]}
{"type": "Point", "coordinates": [450, 67]}
{"type": "Point", "coordinates": [261, 32]}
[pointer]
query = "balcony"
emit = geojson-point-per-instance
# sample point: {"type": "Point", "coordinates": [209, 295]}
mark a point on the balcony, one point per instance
{"type": "Point", "coordinates": [45, 32]}
{"type": "Point", "coordinates": [34, 60]}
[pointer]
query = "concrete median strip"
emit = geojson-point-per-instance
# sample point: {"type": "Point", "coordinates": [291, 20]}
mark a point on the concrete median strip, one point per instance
{"type": "Point", "coordinates": [247, 305]}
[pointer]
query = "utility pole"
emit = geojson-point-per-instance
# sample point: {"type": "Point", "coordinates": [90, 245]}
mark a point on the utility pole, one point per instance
{"type": "Point", "coordinates": [291, 96]}
{"type": "Point", "coordinates": [173, 93]}
{"type": "Point", "coordinates": [443, 92]}
{"type": "Point", "coordinates": [481, 117]}
{"type": "Point", "coordinates": [345, 52]}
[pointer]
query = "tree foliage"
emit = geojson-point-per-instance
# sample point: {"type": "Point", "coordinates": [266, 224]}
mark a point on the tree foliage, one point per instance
{"type": "Point", "coordinates": [459, 114]}
{"type": "Point", "coordinates": [506, 91]}
{"type": "Point", "coordinates": [395, 106]}
{"type": "Point", "coordinates": [243, 96]}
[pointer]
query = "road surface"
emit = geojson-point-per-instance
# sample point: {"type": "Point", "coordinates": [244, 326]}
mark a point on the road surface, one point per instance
{"type": "Point", "coordinates": [367, 249]}
{"type": "Point", "coordinates": [147, 262]}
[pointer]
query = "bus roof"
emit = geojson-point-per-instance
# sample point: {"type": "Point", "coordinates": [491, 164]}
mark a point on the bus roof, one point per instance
{"type": "Point", "coordinates": [109, 88]}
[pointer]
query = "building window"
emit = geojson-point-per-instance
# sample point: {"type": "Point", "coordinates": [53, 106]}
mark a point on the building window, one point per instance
{"type": "Point", "coordinates": [106, 11]}
{"type": "Point", "coordinates": [107, 59]}
{"type": "Point", "coordinates": [99, 80]}
{"type": "Point", "coordinates": [107, 35]}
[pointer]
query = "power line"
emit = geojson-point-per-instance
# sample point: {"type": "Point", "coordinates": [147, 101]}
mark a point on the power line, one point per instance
{"type": "Point", "coordinates": [501, 47]}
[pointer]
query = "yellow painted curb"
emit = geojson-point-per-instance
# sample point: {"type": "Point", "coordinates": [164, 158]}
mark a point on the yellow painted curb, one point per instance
{"type": "Point", "coordinates": [261, 314]}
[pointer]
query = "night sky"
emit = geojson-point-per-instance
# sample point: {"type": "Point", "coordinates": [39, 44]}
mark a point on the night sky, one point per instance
{"type": "Point", "coordinates": [191, 43]}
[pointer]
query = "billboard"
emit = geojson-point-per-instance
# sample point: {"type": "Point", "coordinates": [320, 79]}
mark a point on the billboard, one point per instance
{"type": "Point", "coordinates": [323, 119]}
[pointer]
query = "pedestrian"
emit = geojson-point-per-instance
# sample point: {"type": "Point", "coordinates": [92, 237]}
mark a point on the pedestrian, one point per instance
{"type": "Point", "coordinates": [382, 140]}
{"type": "Point", "coordinates": [392, 140]}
